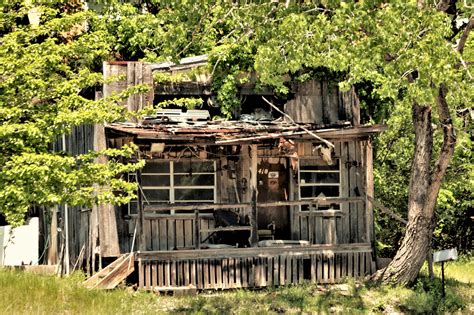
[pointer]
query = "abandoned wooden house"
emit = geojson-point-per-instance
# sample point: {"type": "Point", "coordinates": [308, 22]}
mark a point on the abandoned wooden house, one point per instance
{"type": "Point", "coordinates": [274, 197]}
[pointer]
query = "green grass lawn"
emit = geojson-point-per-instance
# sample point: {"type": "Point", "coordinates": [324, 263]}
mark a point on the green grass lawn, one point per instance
{"type": "Point", "coordinates": [26, 293]}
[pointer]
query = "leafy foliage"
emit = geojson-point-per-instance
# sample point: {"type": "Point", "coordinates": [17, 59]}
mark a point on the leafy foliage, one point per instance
{"type": "Point", "coordinates": [379, 43]}
{"type": "Point", "coordinates": [46, 78]}
{"type": "Point", "coordinates": [394, 149]}
{"type": "Point", "coordinates": [391, 51]}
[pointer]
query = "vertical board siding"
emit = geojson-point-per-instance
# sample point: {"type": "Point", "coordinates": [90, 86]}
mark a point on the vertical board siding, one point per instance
{"type": "Point", "coordinates": [167, 233]}
{"type": "Point", "coordinates": [351, 226]}
{"type": "Point", "coordinates": [369, 190]}
{"type": "Point", "coordinates": [360, 191]}
{"type": "Point", "coordinates": [352, 184]}
{"type": "Point", "coordinates": [78, 141]}
{"type": "Point", "coordinates": [241, 272]}
{"type": "Point", "coordinates": [321, 102]}
{"type": "Point", "coordinates": [345, 193]}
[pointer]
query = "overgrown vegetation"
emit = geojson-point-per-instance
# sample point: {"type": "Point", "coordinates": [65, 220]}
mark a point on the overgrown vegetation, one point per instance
{"type": "Point", "coordinates": [48, 73]}
{"type": "Point", "coordinates": [403, 53]}
{"type": "Point", "coordinates": [46, 294]}
{"type": "Point", "coordinates": [392, 165]}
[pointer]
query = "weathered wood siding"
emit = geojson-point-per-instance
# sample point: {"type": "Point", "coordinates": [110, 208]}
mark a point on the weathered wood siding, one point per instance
{"type": "Point", "coordinates": [322, 103]}
{"type": "Point", "coordinates": [112, 232]}
{"type": "Point", "coordinates": [353, 223]}
{"type": "Point", "coordinates": [173, 232]}
{"type": "Point", "coordinates": [251, 267]}
{"type": "Point", "coordinates": [123, 75]}
{"type": "Point", "coordinates": [79, 141]}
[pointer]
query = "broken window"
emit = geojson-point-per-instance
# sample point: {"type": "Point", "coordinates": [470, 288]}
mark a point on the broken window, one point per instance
{"type": "Point", "coordinates": [319, 179]}
{"type": "Point", "coordinates": [176, 182]}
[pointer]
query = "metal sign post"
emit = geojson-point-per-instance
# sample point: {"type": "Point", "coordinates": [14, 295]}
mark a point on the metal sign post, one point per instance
{"type": "Point", "coordinates": [442, 279]}
{"type": "Point", "coordinates": [442, 256]}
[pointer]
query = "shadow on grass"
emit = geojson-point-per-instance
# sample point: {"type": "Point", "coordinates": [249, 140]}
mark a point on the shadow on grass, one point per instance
{"type": "Point", "coordinates": [291, 299]}
{"type": "Point", "coordinates": [238, 301]}
{"type": "Point", "coordinates": [424, 297]}
{"type": "Point", "coordinates": [352, 297]}
{"type": "Point", "coordinates": [338, 301]}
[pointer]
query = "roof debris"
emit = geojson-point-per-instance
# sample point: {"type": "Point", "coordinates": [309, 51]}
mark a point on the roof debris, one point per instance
{"type": "Point", "coordinates": [233, 132]}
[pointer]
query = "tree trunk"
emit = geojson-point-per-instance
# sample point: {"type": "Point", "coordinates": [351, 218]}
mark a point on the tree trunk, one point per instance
{"type": "Point", "coordinates": [412, 252]}
{"type": "Point", "coordinates": [423, 192]}
{"type": "Point", "coordinates": [424, 185]}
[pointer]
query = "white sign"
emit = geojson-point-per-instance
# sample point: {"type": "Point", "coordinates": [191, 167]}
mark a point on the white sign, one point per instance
{"type": "Point", "coordinates": [445, 255]}
{"type": "Point", "coordinates": [273, 175]}
{"type": "Point", "coordinates": [19, 245]}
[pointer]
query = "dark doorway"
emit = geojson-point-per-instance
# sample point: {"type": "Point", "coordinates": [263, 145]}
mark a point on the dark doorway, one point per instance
{"type": "Point", "coordinates": [272, 185]}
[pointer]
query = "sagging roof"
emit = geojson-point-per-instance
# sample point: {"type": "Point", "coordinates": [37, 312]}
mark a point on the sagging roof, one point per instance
{"type": "Point", "coordinates": [236, 132]}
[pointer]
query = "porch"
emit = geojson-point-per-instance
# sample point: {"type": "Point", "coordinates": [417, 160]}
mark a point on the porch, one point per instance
{"type": "Point", "coordinates": [252, 267]}
{"type": "Point", "coordinates": [318, 201]}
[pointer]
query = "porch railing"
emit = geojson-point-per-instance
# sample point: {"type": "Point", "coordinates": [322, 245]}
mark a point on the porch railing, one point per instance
{"type": "Point", "coordinates": [252, 267]}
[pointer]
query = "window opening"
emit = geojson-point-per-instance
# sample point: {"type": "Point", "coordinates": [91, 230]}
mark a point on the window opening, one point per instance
{"type": "Point", "coordinates": [319, 179]}
{"type": "Point", "coordinates": [184, 181]}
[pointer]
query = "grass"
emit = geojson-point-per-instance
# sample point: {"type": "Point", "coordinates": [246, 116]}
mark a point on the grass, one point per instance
{"type": "Point", "coordinates": [25, 293]}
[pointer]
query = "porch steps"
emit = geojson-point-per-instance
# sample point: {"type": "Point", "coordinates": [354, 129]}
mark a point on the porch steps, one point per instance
{"type": "Point", "coordinates": [113, 274]}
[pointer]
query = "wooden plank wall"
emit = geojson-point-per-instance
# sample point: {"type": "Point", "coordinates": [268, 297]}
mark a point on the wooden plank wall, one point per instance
{"type": "Point", "coordinates": [174, 231]}
{"type": "Point", "coordinates": [254, 271]}
{"type": "Point", "coordinates": [322, 103]}
{"type": "Point", "coordinates": [79, 141]}
{"type": "Point", "coordinates": [350, 226]}
{"type": "Point", "coordinates": [228, 181]}
{"type": "Point", "coordinates": [135, 73]}
{"type": "Point", "coordinates": [112, 229]}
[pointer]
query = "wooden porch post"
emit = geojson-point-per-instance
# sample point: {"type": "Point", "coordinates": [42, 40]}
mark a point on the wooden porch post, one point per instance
{"type": "Point", "coordinates": [253, 194]}
{"type": "Point", "coordinates": [53, 239]}
{"type": "Point", "coordinates": [369, 192]}
{"type": "Point", "coordinates": [197, 232]}
{"type": "Point", "coordinates": [141, 219]}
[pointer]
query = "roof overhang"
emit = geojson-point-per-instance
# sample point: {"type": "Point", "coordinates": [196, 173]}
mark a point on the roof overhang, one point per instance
{"type": "Point", "coordinates": [236, 132]}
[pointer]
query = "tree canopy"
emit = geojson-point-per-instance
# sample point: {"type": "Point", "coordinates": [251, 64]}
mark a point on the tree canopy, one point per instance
{"type": "Point", "coordinates": [384, 43]}
{"type": "Point", "coordinates": [47, 73]}
{"type": "Point", "coordinates": [401, 56]}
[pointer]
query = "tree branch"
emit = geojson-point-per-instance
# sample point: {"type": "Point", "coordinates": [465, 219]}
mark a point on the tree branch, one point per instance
{"type": "Point", "coordinates": [329, 144]}
{"type": "Point", "coordinates": [465, 35]}
{"type": "Point", "coordinates": [384, 209]}
{"type": "Point", "coordinates": [443, 5]}
{"type": "Point", "coordinates": [466, 68]}
{"type": "Point", "coordinates": [447, 150]}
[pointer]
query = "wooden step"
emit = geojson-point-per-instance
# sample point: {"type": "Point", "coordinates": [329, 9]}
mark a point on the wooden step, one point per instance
{"type": "Point", "coordinates": [94, 279]}
{"type": "Point", "coordinates": [113, 274]}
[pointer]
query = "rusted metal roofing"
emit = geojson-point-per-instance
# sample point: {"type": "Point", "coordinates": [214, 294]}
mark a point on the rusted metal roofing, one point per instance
{"type": "Point", "coordinates": [229, 132]}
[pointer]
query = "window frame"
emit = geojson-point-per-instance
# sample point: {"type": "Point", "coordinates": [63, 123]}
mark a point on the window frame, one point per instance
{"type": "Point", "coordinates": [172, 187]}
{"type": "Point", "coordinates": [301, 185]}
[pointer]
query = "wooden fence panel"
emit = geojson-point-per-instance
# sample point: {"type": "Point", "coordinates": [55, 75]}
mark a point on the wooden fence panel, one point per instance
{"type": "Point", "coordinates": [238, 271]}
{"type": "Point", "coordinates": [168, 233]}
